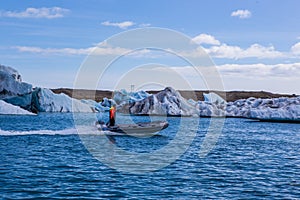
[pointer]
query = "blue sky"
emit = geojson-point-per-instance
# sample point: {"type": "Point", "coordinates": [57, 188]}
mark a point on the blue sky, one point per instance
{"type": "Point", "coordinates": [255, 44]}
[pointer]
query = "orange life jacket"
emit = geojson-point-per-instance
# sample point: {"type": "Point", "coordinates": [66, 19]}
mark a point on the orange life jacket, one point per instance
{"type": "Point", "coordinates": [112, 113]}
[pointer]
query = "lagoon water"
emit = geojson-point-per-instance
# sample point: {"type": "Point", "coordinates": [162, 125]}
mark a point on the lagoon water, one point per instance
{"type": "Point", "coordinates": [44, 157]}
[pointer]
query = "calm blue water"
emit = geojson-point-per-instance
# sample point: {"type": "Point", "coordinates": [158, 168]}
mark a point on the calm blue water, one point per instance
{"type": "Point", "coordinates": [43, 157]}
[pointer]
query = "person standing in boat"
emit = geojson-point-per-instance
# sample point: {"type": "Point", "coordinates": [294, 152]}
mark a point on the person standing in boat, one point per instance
{"type": "Point", "coordinates": [112, 116]}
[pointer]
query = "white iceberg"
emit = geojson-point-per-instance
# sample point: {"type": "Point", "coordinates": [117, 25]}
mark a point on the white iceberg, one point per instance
{"type": "Point", "coordinates": [123, 97]}
{"type": "Point", "coordinates": [211, 110]}
{"type": "Point", "coordinates": [11, 83]}
{"type": "Point", "coordinates": [23, 101]}
{"type": "Point", "coordinates": [46, 101]}
{"type": "Point", "coordinates": [9, 109]}
{"type": "Point", "coordinates": [288, 110]}
{"type": "Point", "coordinates": [170, 102]}
{"type": "Point", "coordinates": [100, 107]}
{"type": "Point", "coordinates": [166, 102]}
{"type": "Point", "coordinates": [282, 108]}
{"type": "Point", "coordinates": [213, 98]}
{"type": "Point", "coordinates": [107, 103]}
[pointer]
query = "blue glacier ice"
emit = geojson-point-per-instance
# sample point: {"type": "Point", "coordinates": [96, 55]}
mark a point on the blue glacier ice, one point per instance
{"type": "Point", "coordinates": [11, 83]}
{"type": "Point", "coordinates": [15, 92]}
{"type": "Point", "coordinates": [6, 108]}
{"type": "Point", "coordinates": [170, 102]}
{"type": "Point", "coordinates": [281, 109]}
{"type": "Point", "coordinates": [46, 101]}
{"type": "Point", "coordinates": [213, 98]}
{"type": "Point", "coordinates": [98, 106]}
{"type": "Point", "coordinates": [122, 96]}
{"type": "Point", "coordinates": [166, 102]}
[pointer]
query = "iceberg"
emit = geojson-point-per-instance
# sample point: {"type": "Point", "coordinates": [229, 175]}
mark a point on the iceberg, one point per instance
{"type": "Point", "coordinates": [212, 106]}
{"type": "Point", "coordinates": [23, 101]}
{"type": "Point", "coordinates": [166, 102]}
{"type": "Point", "coordinates": [100, 107]}
{"type": "Point", "coordinates": [280, 109]}
{"type": "Point", "coordinates": [213, 98]}
{"type": "Point", "coordinates": [14, 91]}
{"type": "Point", "coordinates": [46, 101]}
{"type": "Point", "coordinates": [9, 109]}
{"type": "Point", "coordinates": [107, 103]}
{"type": "Point", "coordinates": [170, 102]}
{"type": "Point", "coordinates": [123, 97]}
{"type": "Point", "coordinates": [207, 109]}
{"type": "Point", "coordinates": [11, 83]}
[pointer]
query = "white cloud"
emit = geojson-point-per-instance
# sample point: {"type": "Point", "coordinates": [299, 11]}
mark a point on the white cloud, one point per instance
{"type": "Point", "coordinates": [217, 49]}
{"type": "Point", "coordinates": [235, 52]}
{"type": "Point", "coordinates": [49, 13]}
{"type": "Point", "coordinates": [242, 14]}
{"type": "Point", "coordinates": [101, 49]}
{"type": "Point", "coordinates": [72, 51]}
{"type": "Point", "coordinates": [206, 39]}
{"type": "Point", "coordinates": [122, 25]}
{"type": "Point", "coordinates": [285, 70]}
{"type": "Point", "coordinates": [224, 51]}
{"type": "Point", "coordinates": [231, 72]}
{"type": "Point", "coordinates": [295, 49]}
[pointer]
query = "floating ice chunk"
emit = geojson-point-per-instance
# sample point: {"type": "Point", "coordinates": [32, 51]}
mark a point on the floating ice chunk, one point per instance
{"type": "Point", "coordinates": [166, 102]}
{"type": "Point", "coordinates": [123, 97]}
{"type": "Point", "coordinates": [23, 101]}
{"type": "Point", "coordinates": [11, 83]}
{"type": "Point", "coordinates": [291, 112]}
{"type": "Point", "coordinates": [9, 109]}
{"type": "Point", "coordinates": [213, 98]}
{"type": "Point", "coordinates": [46, 101]}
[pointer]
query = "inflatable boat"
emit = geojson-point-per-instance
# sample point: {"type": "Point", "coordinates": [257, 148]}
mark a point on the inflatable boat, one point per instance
{"type": "Point", "coordinates": [141, 127]}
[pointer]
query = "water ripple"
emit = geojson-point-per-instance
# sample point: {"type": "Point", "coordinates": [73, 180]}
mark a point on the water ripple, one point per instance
{"type": "Point", "coordinates": [250, 161]}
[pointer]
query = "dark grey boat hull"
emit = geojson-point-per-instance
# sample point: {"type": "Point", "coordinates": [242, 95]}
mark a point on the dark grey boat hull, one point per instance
{"type": "Point", "coordinates": [143, 128]}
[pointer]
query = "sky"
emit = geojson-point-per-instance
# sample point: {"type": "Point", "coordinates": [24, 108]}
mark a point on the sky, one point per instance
{"type": "Point", "coordinates": [254, 45]}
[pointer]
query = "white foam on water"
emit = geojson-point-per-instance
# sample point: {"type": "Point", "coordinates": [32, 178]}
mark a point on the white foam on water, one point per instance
{"type": "Point", "coordinates": [79, 130]}
{"type": "Point", "coordinates": [82, 130]}
{"type": "Point", "coordinates": [39, 132]}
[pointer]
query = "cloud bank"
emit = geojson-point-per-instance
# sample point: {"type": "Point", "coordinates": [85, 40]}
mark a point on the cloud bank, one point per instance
{"type": "Point", "coordinates": [48, 13]}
